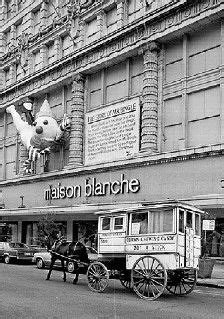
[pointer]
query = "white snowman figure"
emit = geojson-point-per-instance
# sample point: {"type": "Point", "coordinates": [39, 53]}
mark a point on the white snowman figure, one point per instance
{"type": "Point", "coordinates": [40, 137]}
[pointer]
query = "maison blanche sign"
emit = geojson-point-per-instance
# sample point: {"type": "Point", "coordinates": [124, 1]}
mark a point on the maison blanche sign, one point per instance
{"type": "Point", "coordinates": [92, 187]}
{"type": "Point", "coordinates": [112, 132]}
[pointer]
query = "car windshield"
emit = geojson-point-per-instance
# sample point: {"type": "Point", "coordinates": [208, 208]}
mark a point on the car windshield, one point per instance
{"type": "Point", "coordinates": [18, 245]}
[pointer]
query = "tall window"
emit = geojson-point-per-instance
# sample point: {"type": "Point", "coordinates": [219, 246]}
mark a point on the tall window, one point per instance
{"type": "Point", "coordinates": [1, 163]}
{"type": "Point", "coordinates": [7, 40]}
{"type": "Point", "coordinates": [59, 100]}
{"type": "Point", "coordinates": [19, 4]}
{"type": "Point", "coordinates": [173, 110]}
{"type": "Point", "coordinates": [2, 133]}
{"type": "Point", "coordinates": [51, 57]}
{"type": "Point", "coordinates": [11, 154]}
{"type": "Point", "coordinates": [10, 163]}
{"type": "Point", "coordinates": [95, 90]}
{"type": "Point", "coordinates": [2, 126]}
{"type": "Point", "coordinates": [115, 82]}
{"type": "Point", "coordinates": [66, 45]}
{"type": "Point", "coordinates": [133, 9]}
{"type": "Point", "coordinates": [136, 75]}
{"type": "Point", "coordinates": [36, 61]}
{"type": "Point", "coordinates": [19, 72]}
{"type": "Point", "coordinates": [51, 11]}
{"type": "Point", "coordinates": [204, 117]}
{"type": "Point", "coordinates": [204, 50]}
{"type": "Point", "coordinates": [8, 4]}
{"type": "Point", "coordinates": [7, 76]}
{"type": "Point", "coordinates": [174, 61]}
{"type": "Point", "coordinates": [91, 31]}
{"type": "Point", "coordinates": [191, 93]}
{"type": "Point", "coordinates": [18, 30]}
{"type": "Point", "coordinates": [36, 21]}
{"type": "Point", "coordinates": [111, 20]}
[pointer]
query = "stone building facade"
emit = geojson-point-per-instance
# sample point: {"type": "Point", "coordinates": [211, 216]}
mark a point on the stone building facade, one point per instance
{"type": "Point", "coordinates": [142, 84]}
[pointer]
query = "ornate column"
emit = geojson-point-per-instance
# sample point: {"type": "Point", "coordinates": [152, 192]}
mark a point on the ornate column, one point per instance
{"type": "Point", "coordinates": [149, 130]}
{"type": "Point", "coordinates": [30, 63]}
{"type": "Point", "coordinates": [120, 13]}
{"type": "Point", "coordinates": [81, 37]}
{"type": "Point", "coordinates": [57, 47]}
{"type": "Point", "coordinates": [101, 23]}
{"type": "Point", "coordinates": [43, 14]}
{"type": "Point", "coordinates": [13, 7]}
{"type": "Point", "coordinates": [2, 11]}
{"type": "Point", "coordinates": [43, 55]}
{"type": "Point", "coordinates": [2, 42]}
{"type": "Point", "coordinates": [12, 73]}
{"type": "Point", "coordinates": [12, 42]}
{"type": "Point", "coordinates": [77, 122]}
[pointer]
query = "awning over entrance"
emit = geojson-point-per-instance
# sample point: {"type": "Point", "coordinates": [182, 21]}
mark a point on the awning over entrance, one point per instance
{"type": "Point", "coordinates": [80, 209]}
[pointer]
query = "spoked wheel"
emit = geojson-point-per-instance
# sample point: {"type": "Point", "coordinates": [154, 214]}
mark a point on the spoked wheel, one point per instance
{"type": "Point", "coordinates": [125, 279]}
{"type": "Point", "coordinates": [149, 278]}
{"type": "Point", "coordinates": [182, 281]}
{"type": "Point", "coordinates": [98, 277]}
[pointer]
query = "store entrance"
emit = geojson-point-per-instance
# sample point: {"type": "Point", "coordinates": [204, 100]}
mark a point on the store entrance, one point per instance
{"type": "Point", "coordinates": [86, 232]}
{"type": "Point", "coordinates": [215, 240]}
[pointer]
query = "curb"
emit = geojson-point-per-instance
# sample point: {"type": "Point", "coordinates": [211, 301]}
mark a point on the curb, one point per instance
{"type": "Point", "coordinates": [210, 285]}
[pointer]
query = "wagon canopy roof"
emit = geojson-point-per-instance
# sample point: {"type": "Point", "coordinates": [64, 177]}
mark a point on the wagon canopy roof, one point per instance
{"type": "Point", "coordinates": [151, 205]}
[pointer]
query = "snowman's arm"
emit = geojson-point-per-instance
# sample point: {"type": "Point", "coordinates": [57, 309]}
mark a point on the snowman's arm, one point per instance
{"type": "Point", "coordinates": [63, 126]}
{"type": "Point", "coordinates": [18, 122]}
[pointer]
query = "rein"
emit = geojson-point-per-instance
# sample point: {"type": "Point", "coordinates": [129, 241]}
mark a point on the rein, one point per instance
{"type": "Point", "coordinates": [65, 257]}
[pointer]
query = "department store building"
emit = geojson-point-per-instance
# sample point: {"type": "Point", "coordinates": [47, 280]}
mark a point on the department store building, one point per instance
{"type": "Point", "coordinates": [143, 84]}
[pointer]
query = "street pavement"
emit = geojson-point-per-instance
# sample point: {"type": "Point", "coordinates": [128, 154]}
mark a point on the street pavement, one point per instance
{"type": "Point", "coordinates": [26, 294]}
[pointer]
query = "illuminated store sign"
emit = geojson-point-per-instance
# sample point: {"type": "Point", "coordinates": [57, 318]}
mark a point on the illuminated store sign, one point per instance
{"type": "Point", "coordinates": [92, 187]}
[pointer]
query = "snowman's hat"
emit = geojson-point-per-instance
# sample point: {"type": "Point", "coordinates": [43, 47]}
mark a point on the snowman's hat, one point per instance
{"type": "Point", "coordinates": [45, 110]}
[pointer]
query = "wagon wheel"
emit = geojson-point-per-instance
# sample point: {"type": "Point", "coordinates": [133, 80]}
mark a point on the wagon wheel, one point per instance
{"type": "Point", "coordinates": [98, 276]}
{"type": "Point", "coordinates": [149, 278]}
{"type": "Point", "coordinates": [125, 279]}
{"type": "Point", "coordinates": [182, 282]}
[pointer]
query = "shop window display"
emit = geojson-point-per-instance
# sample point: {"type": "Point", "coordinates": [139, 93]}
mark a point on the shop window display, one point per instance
{"type": "Point", "coordinates": [9, 232]}
{"type": "Point", "coordinates": [213, 241]}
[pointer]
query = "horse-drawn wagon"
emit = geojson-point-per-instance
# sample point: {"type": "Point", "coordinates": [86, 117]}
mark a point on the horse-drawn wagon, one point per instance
{"type": "Point", "coordinates": [150, 248]}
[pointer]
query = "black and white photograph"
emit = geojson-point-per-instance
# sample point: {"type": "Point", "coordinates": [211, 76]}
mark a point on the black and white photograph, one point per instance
{"type": "Point", "coordinates": [111, 159]}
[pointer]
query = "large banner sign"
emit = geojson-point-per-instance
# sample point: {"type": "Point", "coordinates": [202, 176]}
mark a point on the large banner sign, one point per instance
{"type": "Point", "coordinates": [112, 132]}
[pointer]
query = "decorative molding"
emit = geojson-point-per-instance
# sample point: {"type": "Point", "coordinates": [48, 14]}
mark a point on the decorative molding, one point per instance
{"type": "Point", "coordinates": [76, 11]}
{"type": "Point", "coordinates": [72, 64]}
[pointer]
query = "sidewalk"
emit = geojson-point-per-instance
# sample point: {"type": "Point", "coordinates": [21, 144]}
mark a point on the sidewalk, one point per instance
{"type": "Point", "coordinates": [217, 278]}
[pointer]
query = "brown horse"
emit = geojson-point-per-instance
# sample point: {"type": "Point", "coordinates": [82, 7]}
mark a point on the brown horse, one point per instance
{"type": "Point", "coordinates": [60, 249]}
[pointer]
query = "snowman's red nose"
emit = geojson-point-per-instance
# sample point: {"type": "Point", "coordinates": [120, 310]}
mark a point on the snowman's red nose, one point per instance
{"type": "Point", "coordinates": [39, 129]}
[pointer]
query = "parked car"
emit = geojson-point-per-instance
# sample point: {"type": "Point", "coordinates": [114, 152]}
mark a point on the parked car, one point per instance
{"type": "Point", "coordinates": [43, 259]}
{"type": "Point", "coordinates": [15, 251]}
